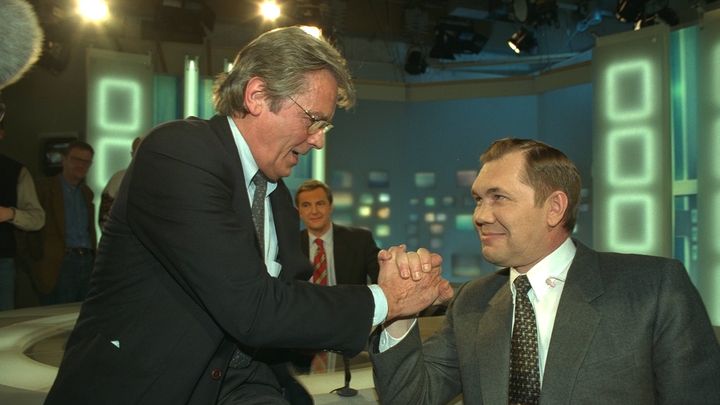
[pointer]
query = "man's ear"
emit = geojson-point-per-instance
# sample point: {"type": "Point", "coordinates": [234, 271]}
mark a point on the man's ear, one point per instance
{"type": "Point", "coordinates": [254, 97]}
{"type": "Point", "coordinates": [557, 205]}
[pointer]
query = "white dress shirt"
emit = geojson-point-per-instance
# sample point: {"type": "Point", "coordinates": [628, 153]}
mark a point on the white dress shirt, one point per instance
{"type": "Point", "coordinates": [250, 167]}
{"type": "Point", "coordinates": [547, 279]}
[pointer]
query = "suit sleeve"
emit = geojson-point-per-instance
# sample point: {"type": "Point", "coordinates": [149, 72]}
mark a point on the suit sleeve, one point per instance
{"type": "Point", "coordinates": [415, 373]}
{"type": "Point", "coordinates": [371, 259]}
{"type": "Point", "coordinates": [686, 355]}
{"type": "Point", "coordinates": [186, 206]}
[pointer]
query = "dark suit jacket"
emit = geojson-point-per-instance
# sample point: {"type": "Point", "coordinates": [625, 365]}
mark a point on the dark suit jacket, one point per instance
{"type": "Point", "coordinates": [629, 329]}
{"type": "Point", "coordinates": [355, 254]}
{"type": "Point", "coordinates": [47, 246]}
{"type": "Point", "coordinates": [179, 281]}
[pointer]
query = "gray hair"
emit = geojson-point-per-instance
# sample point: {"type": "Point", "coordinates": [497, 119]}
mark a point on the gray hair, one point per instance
{"type": "Point", "coordinates": [281, 58]}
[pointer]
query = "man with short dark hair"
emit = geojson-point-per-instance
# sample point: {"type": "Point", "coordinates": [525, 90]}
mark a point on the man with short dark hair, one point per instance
{"type": "Point", "coordinates": [560, 323]}
{"type": "Point", "coordinates": [340, 254]}
{"type": "Point", "coordinates": [62, 272]}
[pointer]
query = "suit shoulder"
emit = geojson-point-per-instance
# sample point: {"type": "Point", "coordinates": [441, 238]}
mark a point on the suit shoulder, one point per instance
{"type": "Point", "coordinates": [481, 289]}
{"type": "Point", "coordinates": [637, 265]}
{"type": "Point", "coordinates": [352, 230]}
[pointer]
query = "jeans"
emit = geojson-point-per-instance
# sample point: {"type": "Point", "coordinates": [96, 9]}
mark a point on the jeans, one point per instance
{"type": "Point", "coordinates": [7, 283]}
{"type": "Point", "coordinates": [73, 281]}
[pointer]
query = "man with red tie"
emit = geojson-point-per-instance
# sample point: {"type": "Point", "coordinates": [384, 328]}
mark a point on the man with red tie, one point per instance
{"type": "Point", "coordinates": [340, 254]}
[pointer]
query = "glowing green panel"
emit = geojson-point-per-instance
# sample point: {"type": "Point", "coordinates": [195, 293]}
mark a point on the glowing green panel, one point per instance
{"type": "Point", "coordinates": [716, 75]}
{"type": "Point", "coordinates": [625, 147]}
{"type": "Point", "coordinates": [619, 87]}
{"type": "Point", "coordinates": [127, 90]}
{"type": "Point", "coordinates": [631, 212]}
{"type": "Point", "coordinates": [105, 146]}
{"type": "Point", "coordinates": [715, 215]}
{"type": "Point", "coordinates": [190, 82]}
{"type": "Point", "coordinates": [715, 149]}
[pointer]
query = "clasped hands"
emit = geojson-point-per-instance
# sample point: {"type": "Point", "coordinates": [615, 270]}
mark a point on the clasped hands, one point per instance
{"type": "Point", "coordinates": [411, 281]}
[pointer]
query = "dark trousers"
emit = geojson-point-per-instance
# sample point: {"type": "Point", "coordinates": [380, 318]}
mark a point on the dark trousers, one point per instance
{"type": "Point", "coordinates": [73, 280]}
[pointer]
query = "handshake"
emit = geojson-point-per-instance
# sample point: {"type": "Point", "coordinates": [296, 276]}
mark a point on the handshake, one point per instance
{"type": "Point", "coordinates": [411, 281]}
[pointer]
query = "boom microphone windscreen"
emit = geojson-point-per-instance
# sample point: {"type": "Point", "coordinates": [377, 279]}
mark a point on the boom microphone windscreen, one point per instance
{"type": "Point", "coordinates": [21, 40]}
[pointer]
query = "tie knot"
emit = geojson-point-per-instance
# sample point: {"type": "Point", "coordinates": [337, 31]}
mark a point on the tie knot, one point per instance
{"type": "Point", "coordinates": [522, 284]}
{"type": "Point", "coordinates": [319, 242]}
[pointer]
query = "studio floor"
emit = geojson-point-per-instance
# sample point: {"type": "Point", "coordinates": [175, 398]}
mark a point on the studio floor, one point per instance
{"type": "Point", "coordinates": [32, 341]}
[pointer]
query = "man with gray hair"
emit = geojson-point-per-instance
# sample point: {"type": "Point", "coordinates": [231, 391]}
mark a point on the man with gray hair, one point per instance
{"type": "Point", "coordinates": [195, 285]}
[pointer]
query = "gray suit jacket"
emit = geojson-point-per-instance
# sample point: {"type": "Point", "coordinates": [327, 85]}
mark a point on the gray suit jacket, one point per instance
{"type": "Point", "coordinates": [629, 329]}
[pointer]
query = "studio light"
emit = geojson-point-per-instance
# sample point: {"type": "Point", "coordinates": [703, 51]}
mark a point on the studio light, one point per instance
{"type": "Point", "coordinates": [522, 41]}
{"type": "Point", "coordinates": [415, 63]}
{"type": "Point", "coordinates": [456, 36]}
{"type": "Point", "coordinates": [630, 10]}
{"type": "Point", "coordinates": [270, 10]}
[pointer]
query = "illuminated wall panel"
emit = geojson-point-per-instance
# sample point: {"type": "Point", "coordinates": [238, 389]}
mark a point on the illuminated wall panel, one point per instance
{"type": "Point", "coordinates": [119, 97]}
{"type": "Point", "coordinates": [191, 84]}
{"type": "Point", "coordinates": [709, 166]}
{"type": "Point", "coordinates": [631, 143]}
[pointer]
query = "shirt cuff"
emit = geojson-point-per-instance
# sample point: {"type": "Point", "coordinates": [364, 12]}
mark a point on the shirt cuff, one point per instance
{"type": "Point", "coordinates": [381, 305]}
{"type": "Point", "coordinates": [387, 341]}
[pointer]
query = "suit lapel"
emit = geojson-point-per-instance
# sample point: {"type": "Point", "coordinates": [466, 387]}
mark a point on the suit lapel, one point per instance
{"type": "Point", "coordinates": [305, 243]}
{"type": "Point", "coordinates": [493, 344]}
{"type": "Point", "coordinates": [575, 325]}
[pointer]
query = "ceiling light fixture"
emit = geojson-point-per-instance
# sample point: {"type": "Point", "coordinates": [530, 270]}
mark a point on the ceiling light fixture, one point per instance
{"type": "Point", "coordinates": [522, 41]}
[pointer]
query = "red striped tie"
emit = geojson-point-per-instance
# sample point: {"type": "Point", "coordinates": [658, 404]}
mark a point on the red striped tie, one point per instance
{"type": "Point", "coordinates": [320, 264]}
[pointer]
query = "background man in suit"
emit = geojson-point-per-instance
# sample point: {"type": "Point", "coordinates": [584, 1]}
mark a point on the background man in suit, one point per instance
{"type": "Point", "coordinates": [194, 287]}
{"type": "Point", "coordinates": [348, 254]}
{"type": "Point", "coordinates": [19, 209]}
{"type": "Point", "coordinates": [351, 252]}
{"type": "Point", "coordinates": [626, 329]}
{"type": "Point", "coordinates": [67, 241]}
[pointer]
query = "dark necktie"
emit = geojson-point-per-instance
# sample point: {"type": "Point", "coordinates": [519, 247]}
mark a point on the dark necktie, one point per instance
{"type": "Point", "coordinates": [258, 208]}
{"type": "Point", "coordinates": [320, 264]}
{"type": "Point", "coordinates": [239, 358]}
{"type": "Point", "coordinates": [524, 372]}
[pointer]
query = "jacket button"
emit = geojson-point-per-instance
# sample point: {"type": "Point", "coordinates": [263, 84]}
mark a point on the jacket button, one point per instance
{"type": "Point", "coordinates": [216, 374]}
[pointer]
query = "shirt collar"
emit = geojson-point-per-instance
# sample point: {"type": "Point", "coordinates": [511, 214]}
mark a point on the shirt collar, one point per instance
{"type": "Point", "coordinates": [327, 237]}
{"type": "Point", "coordinates": [250, 167]}
{"type": "Point", "coordinates": [549, 271]}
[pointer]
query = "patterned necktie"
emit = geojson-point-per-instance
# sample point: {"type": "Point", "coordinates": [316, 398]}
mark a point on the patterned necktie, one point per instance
{"type": "Point", "coordinates": [320, 264]}
{"type": "Point", "coordinates": [524, 372]}
{"type": "Point", "coordinates": [258, 208]}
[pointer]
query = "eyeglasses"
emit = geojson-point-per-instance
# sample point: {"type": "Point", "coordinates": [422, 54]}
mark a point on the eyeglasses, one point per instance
{"type": "Point", "coordinates": [316, 124]}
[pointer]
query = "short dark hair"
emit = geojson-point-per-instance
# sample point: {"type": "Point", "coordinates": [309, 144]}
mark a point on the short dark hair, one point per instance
{"type": "Point", "coordinates": [78, 145]}
{"type": "Point", "coordinates": [546, 170]}
{"type": "Point", "coordinates": [312, 184]}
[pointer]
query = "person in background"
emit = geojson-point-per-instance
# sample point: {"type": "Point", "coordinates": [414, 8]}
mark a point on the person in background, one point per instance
{"type": "Point", "coordinates": [112, 187]}
{"type": "Point", "coordinates": [67, 242]}
{"type": "Point", "coordinates": [351, 253]}
{"type": "Point", "coordinates": [196, 281]}
{"type": "Point", "coordinates": [625, 329]}
{"type": "Point", "coordinates": [340, 254]}
{"type": "Point", "coordinates": [19, 209]}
